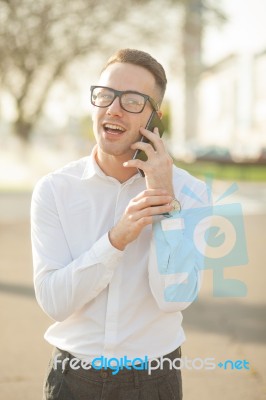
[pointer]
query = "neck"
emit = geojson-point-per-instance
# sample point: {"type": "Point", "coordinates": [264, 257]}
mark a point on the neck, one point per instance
{"type": "Point", "coordinates": [113, 166]}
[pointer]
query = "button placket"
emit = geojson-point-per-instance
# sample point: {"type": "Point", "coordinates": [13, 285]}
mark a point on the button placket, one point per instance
{"type": "Point", "coordinates": [113, 299]}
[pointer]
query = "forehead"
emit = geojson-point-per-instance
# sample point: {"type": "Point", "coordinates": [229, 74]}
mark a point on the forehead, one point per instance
{"type": "Point", "coordinates": [125, 76]}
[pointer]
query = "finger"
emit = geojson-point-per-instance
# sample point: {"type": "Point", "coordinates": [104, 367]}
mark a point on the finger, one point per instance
{"type": "Point", "coordinates": [135, 164]}
{"type": "Point", "coordinates": [153, 138]}
{"type": "Point", "coordinates": [154, 210]}
{"type": "Point", "coordinates": [152, 192]}
{"type": "Point", "coordinates": [156, 131]}
{"type": "Point", "coordinates": [146, 147]}
{"type": "Point", "coordinates": [150, 201]}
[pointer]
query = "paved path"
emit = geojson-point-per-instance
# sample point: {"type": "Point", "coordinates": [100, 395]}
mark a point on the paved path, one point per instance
{"type": "Point", "coordinates": [219, 328]}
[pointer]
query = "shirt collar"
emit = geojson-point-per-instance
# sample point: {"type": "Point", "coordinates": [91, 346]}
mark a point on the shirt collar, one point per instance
{"type": "Point", "coordinates": [92, 168]}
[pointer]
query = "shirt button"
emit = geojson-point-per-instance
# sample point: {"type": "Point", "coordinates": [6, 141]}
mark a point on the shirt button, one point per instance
{"type": "Point", "coordinates": [104, 374]}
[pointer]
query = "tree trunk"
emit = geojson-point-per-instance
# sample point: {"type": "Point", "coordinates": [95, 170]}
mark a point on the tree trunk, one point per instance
{"type": "Point", "coordinates": [23, 129]}
{"type": "Point", "coordinates": [192, 36]}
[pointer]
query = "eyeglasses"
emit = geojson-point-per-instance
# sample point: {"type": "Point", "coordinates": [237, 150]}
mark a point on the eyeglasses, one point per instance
{"type": "Point", "coordinates": [133, 102]}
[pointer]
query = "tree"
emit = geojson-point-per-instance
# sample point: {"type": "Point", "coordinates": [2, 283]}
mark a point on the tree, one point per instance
{"type": "Point", "coordinates": [39, 39]}
{"type": "Point", "coordinates": [198, 14]}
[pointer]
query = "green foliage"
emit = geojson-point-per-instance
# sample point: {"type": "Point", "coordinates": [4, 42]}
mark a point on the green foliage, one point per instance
{"type": "Point", "coordinates": [166, 117]}
{"type": "Point", "coordinates": [252, 172]}
{"type": "Point", "coordinates": [86, 129]}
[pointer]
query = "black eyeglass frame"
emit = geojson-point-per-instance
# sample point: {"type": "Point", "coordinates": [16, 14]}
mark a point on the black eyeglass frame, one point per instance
{"type": "Point", "coordinates": [119, 93]}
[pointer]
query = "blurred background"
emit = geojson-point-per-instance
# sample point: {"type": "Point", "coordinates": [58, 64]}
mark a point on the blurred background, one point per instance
{"type": "Point", "coordinates": [214, 54]}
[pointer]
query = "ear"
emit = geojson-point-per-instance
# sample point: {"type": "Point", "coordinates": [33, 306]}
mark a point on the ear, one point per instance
{"type": "Point", "coordinates": [160, 114]}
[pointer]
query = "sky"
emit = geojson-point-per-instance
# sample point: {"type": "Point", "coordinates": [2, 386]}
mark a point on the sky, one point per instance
{"type": "Point", "coordinates": [244, 32]}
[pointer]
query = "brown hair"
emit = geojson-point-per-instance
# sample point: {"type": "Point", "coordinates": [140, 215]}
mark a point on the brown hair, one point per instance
{"type": "Point", "coordinates": [143, 59]}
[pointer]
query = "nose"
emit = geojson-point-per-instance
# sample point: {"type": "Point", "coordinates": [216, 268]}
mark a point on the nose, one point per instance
{"type": "Point", "coordinates": [115, 108]}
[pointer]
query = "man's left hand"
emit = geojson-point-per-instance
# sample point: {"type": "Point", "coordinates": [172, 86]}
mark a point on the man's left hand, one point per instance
{"type": "Point", "coordinates": [158, 167]}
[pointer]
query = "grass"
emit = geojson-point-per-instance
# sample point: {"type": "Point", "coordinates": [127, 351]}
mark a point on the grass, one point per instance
{"type": "Point", "coordinates": [202, 169]}
{"type": "Point", "coordinates": [255, 173]}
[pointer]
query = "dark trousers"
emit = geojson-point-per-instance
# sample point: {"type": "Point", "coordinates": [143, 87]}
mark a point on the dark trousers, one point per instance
{"type": "Point", "coordinates": [64, 382]}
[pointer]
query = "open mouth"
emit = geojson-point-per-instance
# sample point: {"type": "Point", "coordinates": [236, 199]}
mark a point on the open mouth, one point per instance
{"type": "Point", "coordinates": [113, 129]}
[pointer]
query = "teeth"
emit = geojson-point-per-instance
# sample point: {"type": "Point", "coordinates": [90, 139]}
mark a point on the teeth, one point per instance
{"type": "Point", "coordinates": [117, 127]}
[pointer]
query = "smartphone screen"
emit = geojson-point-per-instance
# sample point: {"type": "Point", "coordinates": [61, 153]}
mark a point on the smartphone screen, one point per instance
{"type": "Point", "coordinates": [154, 121]}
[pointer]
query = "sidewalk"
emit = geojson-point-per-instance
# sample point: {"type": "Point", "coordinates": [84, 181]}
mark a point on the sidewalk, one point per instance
{"type": "Point", "coordinates": [220, 328]}
{"type": "Point", "coordinates": [230, 328]}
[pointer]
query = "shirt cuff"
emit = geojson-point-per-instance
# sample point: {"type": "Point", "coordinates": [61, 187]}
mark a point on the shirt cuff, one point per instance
{"type": "Point", "coordinates": [105, 252]}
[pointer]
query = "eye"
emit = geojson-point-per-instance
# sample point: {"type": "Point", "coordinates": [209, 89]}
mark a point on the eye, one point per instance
{"type": "Point", "coordinates": [104, 96]}
{"type": "Point", "coordinates": [132, 101]}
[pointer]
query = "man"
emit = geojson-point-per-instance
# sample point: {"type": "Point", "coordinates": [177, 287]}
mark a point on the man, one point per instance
{"type": "Point", "coordinates": [103, 255]}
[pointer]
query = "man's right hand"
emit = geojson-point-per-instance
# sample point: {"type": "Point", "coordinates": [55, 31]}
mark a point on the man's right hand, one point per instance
{"type": "Point", "coordinates": [138, 214]}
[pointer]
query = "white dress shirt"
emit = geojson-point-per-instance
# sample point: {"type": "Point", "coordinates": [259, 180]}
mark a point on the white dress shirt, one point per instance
{"type": "Point", "coordinates": [108, 302]}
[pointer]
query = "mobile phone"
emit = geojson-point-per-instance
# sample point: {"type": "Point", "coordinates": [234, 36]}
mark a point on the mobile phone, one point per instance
{"type": "Point", "coordinates": [154, 121]}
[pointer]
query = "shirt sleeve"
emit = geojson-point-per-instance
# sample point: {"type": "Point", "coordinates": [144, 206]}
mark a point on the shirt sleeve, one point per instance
{"type": "Point", "coordinates": [64, 285]}
{"type": "Point", "coordinates": [176, 259]}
